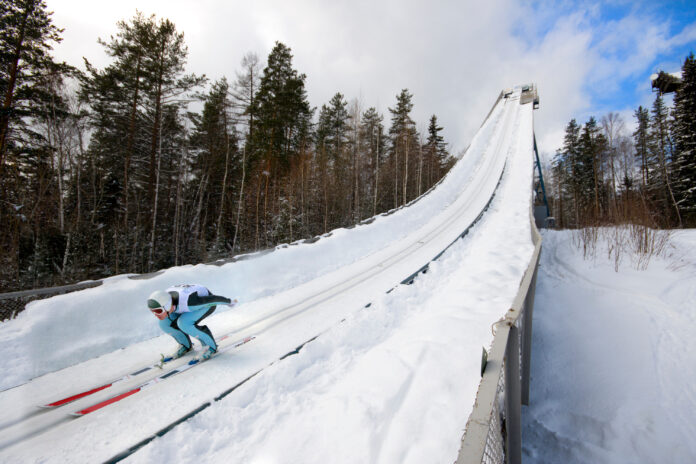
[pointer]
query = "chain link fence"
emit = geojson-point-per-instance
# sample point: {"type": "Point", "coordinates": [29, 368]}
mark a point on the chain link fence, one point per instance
{"type": "Point", "coordinates": [14, 303]}
{"type": "Point", "coordinates": [493, 432]}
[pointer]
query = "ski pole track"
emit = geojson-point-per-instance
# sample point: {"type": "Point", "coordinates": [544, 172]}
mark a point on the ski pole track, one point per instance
{"type": "Point", "coordinates": [433, 233]}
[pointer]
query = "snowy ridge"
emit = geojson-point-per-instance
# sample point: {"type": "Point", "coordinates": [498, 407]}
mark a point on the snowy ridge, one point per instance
{"type": "Point", "coordinates": [338, 283]}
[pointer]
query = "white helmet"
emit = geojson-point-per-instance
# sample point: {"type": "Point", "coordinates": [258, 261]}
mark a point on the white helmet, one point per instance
{"type": "Point", "coordinates": [159, 299]}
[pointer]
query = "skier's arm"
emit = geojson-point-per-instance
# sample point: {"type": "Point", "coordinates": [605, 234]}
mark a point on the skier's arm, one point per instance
{"type": "Point", "coordinates": [196, 301]}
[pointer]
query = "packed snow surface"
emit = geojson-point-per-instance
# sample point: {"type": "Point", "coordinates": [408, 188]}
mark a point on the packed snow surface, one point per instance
{"type": "Point", "coordinates": [613, 356]}
{"type": "Point", "coordinates": [390, 374]}
{"type": "Point", "coordinates": [64, 330]}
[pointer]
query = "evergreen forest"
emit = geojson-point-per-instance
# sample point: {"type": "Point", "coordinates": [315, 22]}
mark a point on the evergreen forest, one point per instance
{"type": "Point", "coordinates": [108, 170]}
{"type": "Point", "coordinates": [605, 174]}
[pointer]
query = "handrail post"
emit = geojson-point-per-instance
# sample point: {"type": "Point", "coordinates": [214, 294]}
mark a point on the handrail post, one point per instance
{"type": "Point", "coordinates": [527, 339]}
{"type": "Point", "coordinates": [513, 408]}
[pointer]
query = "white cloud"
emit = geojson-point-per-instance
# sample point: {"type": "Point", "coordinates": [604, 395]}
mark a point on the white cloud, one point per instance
{"type": "Point", "coordinates": [454, 56]}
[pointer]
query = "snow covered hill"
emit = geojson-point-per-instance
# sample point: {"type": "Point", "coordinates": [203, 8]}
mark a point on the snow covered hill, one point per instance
{"type": "Point", "coordinates": [386, 372]}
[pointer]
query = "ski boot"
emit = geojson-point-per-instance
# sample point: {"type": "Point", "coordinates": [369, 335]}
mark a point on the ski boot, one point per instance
{"type": "Point", "coordinates": [208, 354]}
{"type": "Point", "coordinates": [181, 351]}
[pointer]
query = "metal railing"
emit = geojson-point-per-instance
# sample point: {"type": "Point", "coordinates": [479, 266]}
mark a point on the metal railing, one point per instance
{"type": "Point", "coordinates": [493, 432]}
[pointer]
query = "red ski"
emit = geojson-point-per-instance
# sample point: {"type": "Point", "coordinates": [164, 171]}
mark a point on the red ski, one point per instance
{"type": "Point", "coordinates": [93, 390]}
{"type": "Point", "coordinates": [178, 370]}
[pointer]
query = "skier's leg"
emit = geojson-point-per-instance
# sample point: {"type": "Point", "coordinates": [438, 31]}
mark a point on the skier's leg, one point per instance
{"type": "Point", "coordinates": [172, 328]}
{"type": "Point", "coordinates": [188, 322]}
{"type": "Point", "coordinates": [204, 328]}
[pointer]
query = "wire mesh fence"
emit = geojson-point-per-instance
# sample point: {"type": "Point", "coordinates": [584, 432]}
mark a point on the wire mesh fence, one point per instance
{"type": "Point", "coordinates": [494, 451]}
{"type": "Point", "coordinates": [11, 304]}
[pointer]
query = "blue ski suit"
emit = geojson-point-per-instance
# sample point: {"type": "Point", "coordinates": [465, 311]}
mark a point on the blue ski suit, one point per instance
{"type": "Point", "coordinates": [193, 304]}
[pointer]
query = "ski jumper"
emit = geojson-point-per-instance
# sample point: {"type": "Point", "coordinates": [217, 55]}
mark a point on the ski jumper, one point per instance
{"type": "Point", "coordinates": [193, 304]}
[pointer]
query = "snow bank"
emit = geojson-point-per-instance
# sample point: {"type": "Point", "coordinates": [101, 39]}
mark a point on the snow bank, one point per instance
{"type": "Point", "coordinates": [613, 357]}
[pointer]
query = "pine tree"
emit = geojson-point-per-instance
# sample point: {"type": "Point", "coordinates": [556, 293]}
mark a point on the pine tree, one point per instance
{"type": "Point", "coordinates": [661, 151]}
{"type": "Point", "coordinates": [372, 135]}
{"type": "Point", "coordinates": [571, 160]}
{"type": "Point", "coordinates": [641, 140]}
{"type": "Point", "coordinates": [559, 168]}
{"type": "Point", "coordinates": [117, 96]}
{"type": "Point", "coordinates": [136, 104]}
{"type": "Point", "coordinates": [404, 142]}
{"type": "Point", "coordinates": [331, 141]}
{"type": "Point", "coordinates": [29, 197]}
{"type": "Point", "coordinates": [280, 141]}
{"type": "Point", "coordinates": [685, 142]}
{"type": "Point", "coordinates": [282, 110]}
{"type": "Point", "coordinates": [26, 37]}
{"type": "Point", "coordinates": [215, 163]}
{"type": "Point", "coordinates": [332, 128]}
{"type": "Point", "coordinates": [438, 158]}
{"type": "Point", "coordinates": [593, 146]}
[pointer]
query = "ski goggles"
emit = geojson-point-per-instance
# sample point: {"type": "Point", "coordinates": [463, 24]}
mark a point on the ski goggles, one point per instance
{"type": "Point", "coordinates": [155, 307]}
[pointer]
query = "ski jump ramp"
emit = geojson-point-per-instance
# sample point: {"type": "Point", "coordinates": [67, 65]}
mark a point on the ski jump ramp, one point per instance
{"type": "Point", "coordinates": [475, 226]}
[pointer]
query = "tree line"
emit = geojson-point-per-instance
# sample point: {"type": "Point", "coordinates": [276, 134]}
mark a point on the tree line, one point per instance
{"type": "Point", "coordinates": [108, 171]}
{"type": "Point", "coordinates": [604, 175]}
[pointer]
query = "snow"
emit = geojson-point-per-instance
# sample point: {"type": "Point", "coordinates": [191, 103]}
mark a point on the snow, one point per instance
{"type": "Point", "coordinates": [613, 356]}
{"type": "Point", "coordinates": [65, 330]}
{"type": "Point", "coordinates": [381, 352]}
{"type": "Point", "coordinates": [378, 348]}
{"type": "Point", "coordinates": [677, 74]}
{"type": "Point", "coordinates": [392, 383]}
{"type": "Point", "coordinates": [387, 373]}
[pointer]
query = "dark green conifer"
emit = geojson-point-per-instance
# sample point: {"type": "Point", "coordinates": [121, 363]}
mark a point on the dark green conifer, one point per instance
{"type": "Point", "coordinates": [685, 142]}
{"type": "Point", "coordinates": [332, 128]}
{"type": "Point", "coordinates": [641, 141]}
{"type": "Point", "coordinates": [661, 151]}
{"type": "Point", "coordinates": [282, 111]}
{"type": "Point", "coordinates": [27, 35]}
{"type": "Point", "coordinates": [404, 143]}
{"type": "Point", "coordinates": [436, 144]}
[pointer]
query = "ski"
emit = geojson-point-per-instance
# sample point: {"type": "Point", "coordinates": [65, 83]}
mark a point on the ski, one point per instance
{"type": "Point", "coordinates": [158, 365]}
{"type": "Point", "coordinates": [178, 370]}
{"type": "Point", "coordinates": [70, 399]}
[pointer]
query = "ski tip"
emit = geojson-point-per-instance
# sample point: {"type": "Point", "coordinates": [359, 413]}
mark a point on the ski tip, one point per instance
{"type": "Point", "coordinates": [70, 399]}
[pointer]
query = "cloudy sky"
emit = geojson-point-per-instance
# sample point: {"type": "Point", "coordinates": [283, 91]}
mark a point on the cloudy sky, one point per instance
{"type": "Point", "coordinates": [587, 58]}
